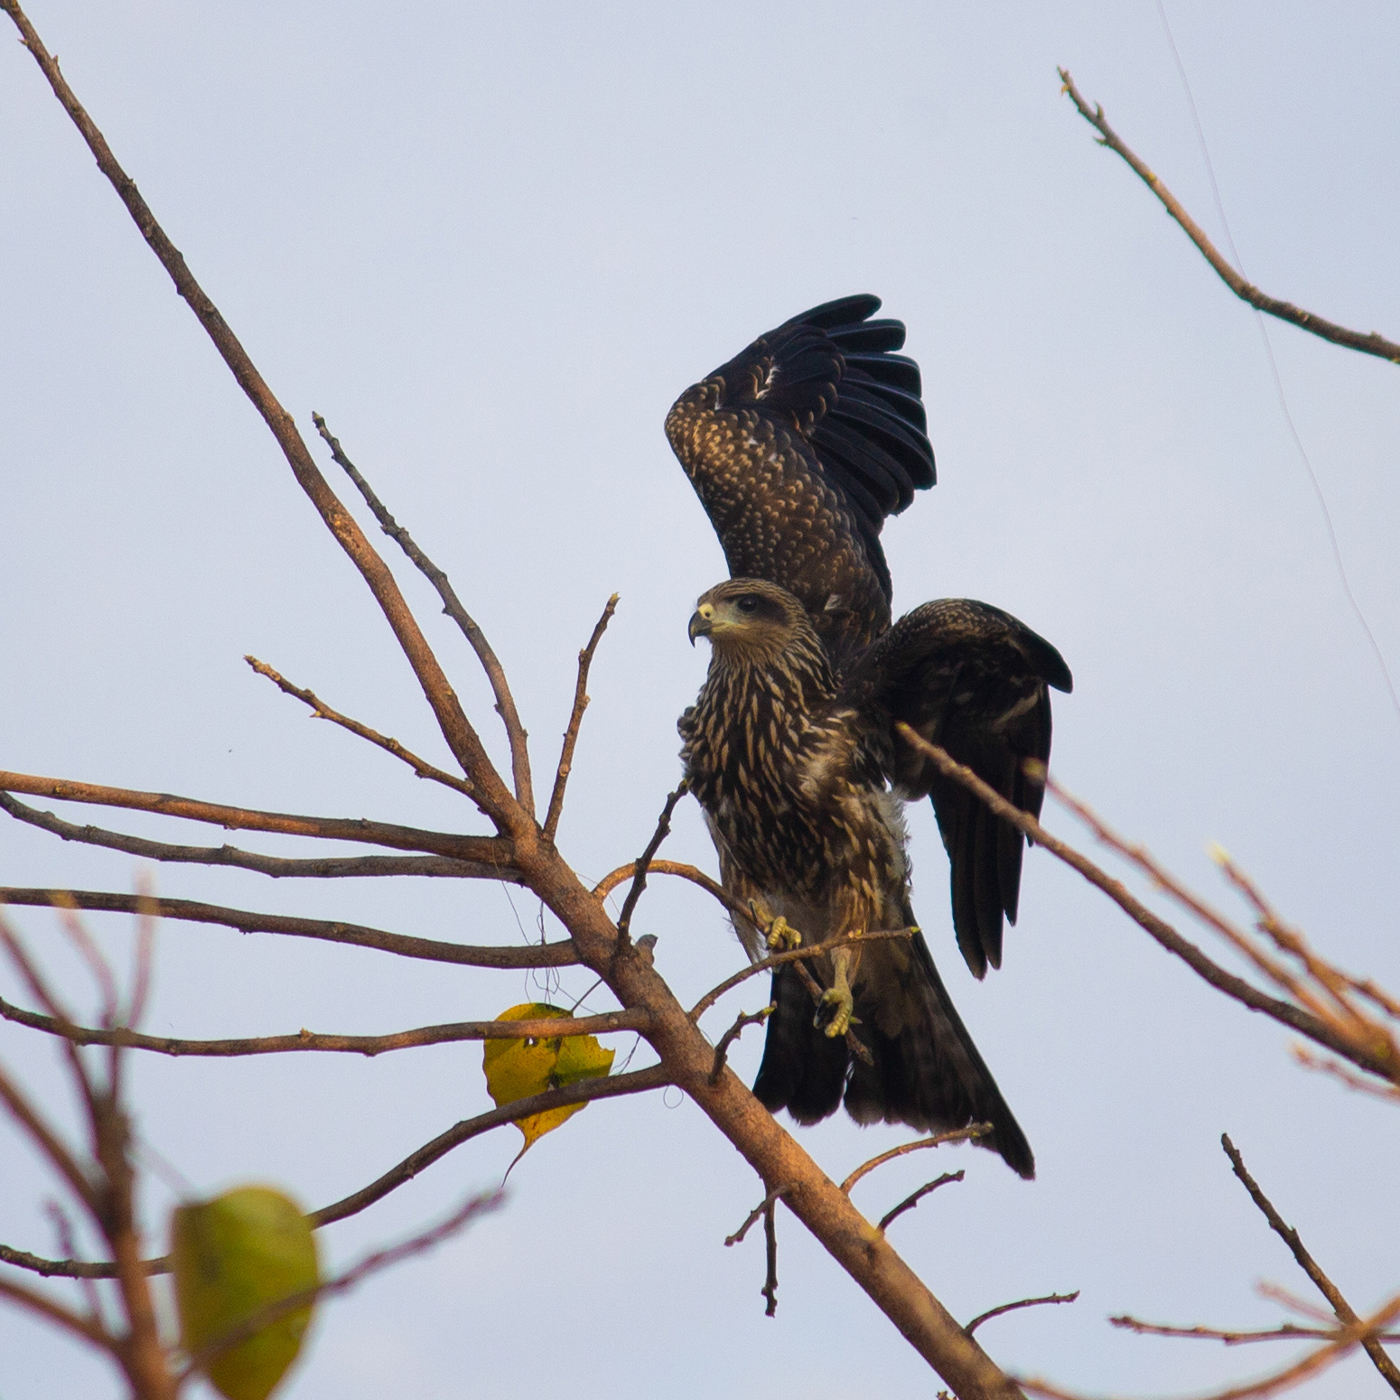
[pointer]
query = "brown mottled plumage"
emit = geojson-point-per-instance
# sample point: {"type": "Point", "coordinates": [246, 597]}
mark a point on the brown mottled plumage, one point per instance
{"type": "Point", "coordinates": [799, 448]}
{"type": "Point", "coordinates": [793, 769]}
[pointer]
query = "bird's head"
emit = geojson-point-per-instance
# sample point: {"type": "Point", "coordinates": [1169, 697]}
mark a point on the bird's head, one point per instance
{"type": "Point", "coordinates": [750, 620]}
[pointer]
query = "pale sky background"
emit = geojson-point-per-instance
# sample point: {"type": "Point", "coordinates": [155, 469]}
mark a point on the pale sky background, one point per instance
{"type": "Point", "coordinates": [492, 244]}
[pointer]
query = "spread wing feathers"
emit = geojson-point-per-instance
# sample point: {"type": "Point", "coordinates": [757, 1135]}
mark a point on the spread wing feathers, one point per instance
{"type": "Point", "coordinates": [926, 1071]}
{"type": "Point", "coordinates": [799, 448]}
{"type": "Point", "coordinates": [973, 679]}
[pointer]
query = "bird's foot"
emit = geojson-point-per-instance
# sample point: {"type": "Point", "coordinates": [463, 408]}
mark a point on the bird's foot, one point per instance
{"type": "Point", "coordinates": [836, 1009]}
{"type": "Point", "coordinates": [782, 937]}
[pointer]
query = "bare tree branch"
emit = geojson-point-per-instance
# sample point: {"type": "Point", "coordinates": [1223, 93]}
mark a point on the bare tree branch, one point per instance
{"type": "Point", "coordinates": [571, 731]}
{"type": "Point", "coordinates": [369, 1045]}
{"type": "Point", "coordinates": [489, 850]}
{"type": "Point", "coordinates": [745, 1018]}
{"type": "Point", "coordinates": [639, 880]}
{"type": "Point", "coordinates": [1287, 1332]}
{"type": "Point", "coordinates": [581, 1091]}
{"type": "Point", "coordinates": [1346, 1314]}
{"type": "Point", "coordinates": [452, 606]}
{"type": "Point", "coordinates": [792, 955]}
{"type": "Point", "coordinates": [1295, 1018]}
{"type": "Point", "coordinates": [914, 1197]}
{"type": "Point", "coordinates": [765, 1204]}
{"type": "Point", "coordinates": [320, 710]}
{"type": "Point", "coordinates": [968, 1134]}
{"type": "Point", "coordinates": [696, 876]}
{"type": "Point", "coordinates": [558, 954]}
{"type": "Point", "coordinates": [1022, 1303]}
{"type": "Point", "coordinates": [52, 1310]}
{"type": "Point", "coordinates": [333, 867]}
{"type": "Point", "coordinates": [491, 794]}
{"type": "Point", "coordinates": [1309, 1365]}
{"type": "Point", "coordinates": [1372, 344]}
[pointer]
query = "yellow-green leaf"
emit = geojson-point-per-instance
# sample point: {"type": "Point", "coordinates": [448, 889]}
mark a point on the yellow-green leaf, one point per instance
{"type": "Point", "coordinates": [235, 1256]}
{"type": "Point", "coordinates": [516, 1069]}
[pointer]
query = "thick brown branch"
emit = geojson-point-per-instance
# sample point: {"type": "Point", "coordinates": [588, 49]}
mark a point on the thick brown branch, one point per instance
{"type": "Point", "coordinates": [452, 606]}
{"type": "Point", "coordinates": [914, 1197]}
{"type": "Point", "coordinates": [1020, 1303]}
{"type": "Point", "coordinates": [320, 710]}
{"type": "Point", "coordinates": [1295, 1018]}
{"type": "Point", "coordinates": [1372, 344]}
{"type": "Point", "coordinates": [489, 850]}
{"type": "Point", "coordinates": [609, 1021]}
{"type": "Point", "coordinates": [490, 793]}
{"type": "Point", "coordinates": [583, 1091]}
{"type": "Point", "coordinates": [566, 754]}
{"type": "Point", "coordinates": [1346, 1314]}
{"type": "Point", "coordinates": [560, 954]}
{"type": "Point", "coordinates": [968, 1134]}
{"type": "Point", "coordinates": [279, 867]}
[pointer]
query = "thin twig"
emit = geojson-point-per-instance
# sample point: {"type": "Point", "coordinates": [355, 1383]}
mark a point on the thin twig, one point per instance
{"type": "Point", "coordinates": [53, 1311]}
{"type": "Point", "coordinates": [452, 606]}
{"type": "Point", "coordinates": [571, 731]}
{"type": "Point", "coordinates": [369, 1045]}
{"type": "Point", "coordinates": [1305, 1057]}
{"type": "Point", "coordinates": [279, 867]}
{"type": "Point", "coordinates": [913, 1199]}
{"type": "Point", "coordinates": [639, 880]}
{"type": "Point", "coordinates": [1289, 1331]}
{"type": "Point", "coordinates": [792, 955]}
{"type": "Point", "coordinates": [1372, 344]}
{"type": "Point", "coordinates": [320, 710]}
{"type": "Point", "coordinates": [745, 1018]}
{"type": "Point", "coordinates": [1021, 1303]}
{"type": "Point", "coordinates": [581, 1091]}
{"type": "Point", "coordinates": [1236, 987]}
{"type": "Point", "coordinates": [342, 1283]}
{"type": "Point", "coordinates": [694, 874]}
{"type": "Point", "coordinates": [488, 849]}
{"type": "Point", "coordinates": [557, 954]}
{"type": "Point", "coordinates": [763, 1205]}
{"type": "Point", "coordinates": [968, 1134]}
{"type": "Point", "coordinates": [1346, 1314]}
{"type": "Point", "coordinates": [1309, 1365]}
{"type": "Point", "coordinates": [769, 1291]}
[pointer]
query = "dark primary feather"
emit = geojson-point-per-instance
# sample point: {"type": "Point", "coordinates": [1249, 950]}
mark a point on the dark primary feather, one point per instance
{"type": "Point", "coordinates": [973, 679]}
{"type": "Point", "coordinates": [799, 448]}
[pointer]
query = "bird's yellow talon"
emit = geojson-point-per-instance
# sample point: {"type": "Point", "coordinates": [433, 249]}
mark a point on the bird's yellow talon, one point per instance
{"type": "Point", "coordinates": [782, 936]}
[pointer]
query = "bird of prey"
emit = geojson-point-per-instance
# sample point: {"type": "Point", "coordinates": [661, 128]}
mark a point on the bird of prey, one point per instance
{"type": "Point", "coordinates": [799, 448]}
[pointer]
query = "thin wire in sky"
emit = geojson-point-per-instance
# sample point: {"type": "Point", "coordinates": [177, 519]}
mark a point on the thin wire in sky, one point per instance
{"type": "Point", "coordinates": [1274, 371]}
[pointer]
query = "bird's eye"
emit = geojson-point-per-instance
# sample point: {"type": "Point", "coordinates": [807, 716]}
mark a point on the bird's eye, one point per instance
{"type": "Point", "coordinates": [748, 603]}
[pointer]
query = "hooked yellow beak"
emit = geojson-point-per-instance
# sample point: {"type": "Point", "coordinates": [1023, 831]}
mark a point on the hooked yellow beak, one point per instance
{"type": "Point", "coordinates": [701, 622]}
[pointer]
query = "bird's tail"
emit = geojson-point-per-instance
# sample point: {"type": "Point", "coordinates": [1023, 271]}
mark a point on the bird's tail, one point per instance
{"type": "Point", "coordinates": [924, 1071]}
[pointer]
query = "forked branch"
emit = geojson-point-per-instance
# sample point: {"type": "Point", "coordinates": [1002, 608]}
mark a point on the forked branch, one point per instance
{"type": "Point", "coordinates": [452, 606]}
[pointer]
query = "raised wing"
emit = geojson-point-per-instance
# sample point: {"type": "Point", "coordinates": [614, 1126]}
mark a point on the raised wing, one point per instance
{"type": "Point", "coordinates": [973, 679]}
{"type": "Point", "coordinates": [799, 448]}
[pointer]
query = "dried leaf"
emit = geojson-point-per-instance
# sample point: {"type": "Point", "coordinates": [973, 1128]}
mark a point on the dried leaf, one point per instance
{"type": "Point", "coordinates": [516, 1069]}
